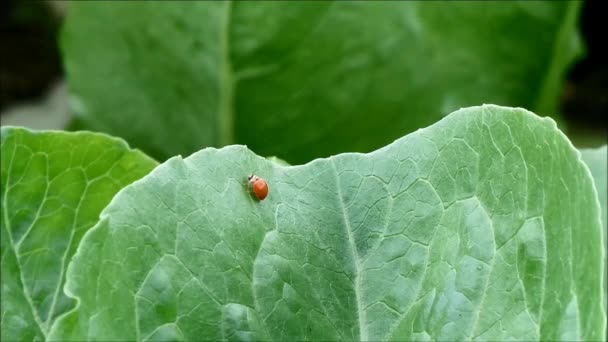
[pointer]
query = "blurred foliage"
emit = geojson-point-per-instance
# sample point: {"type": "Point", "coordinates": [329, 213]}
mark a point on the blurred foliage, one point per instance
{"type": "Point", "coordinates": [306, 80]}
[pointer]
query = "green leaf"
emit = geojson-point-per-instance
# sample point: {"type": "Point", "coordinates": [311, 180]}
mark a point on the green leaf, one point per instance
{"type": "Point", "coordinates": [54, 185]}
{"type": "Point", "coordinates": [597, 161]}
{"type": "Point", "coordinates": [484, 226]}
{"type": "Point", "coordinates": [302, 80]}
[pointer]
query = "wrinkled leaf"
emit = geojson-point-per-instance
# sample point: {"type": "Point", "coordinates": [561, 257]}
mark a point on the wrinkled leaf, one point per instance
{"type": "Point", "coordinates": [302, 80]}
{"type": "Point", "coordinates": [597, 161]}
{"type": "Point", "coordinates": [54, 185]}
{"type": "Point", "coordinates": [484, 226]}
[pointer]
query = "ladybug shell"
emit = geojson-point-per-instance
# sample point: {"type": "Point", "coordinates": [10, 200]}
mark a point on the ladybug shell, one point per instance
{"type": "Point", "coordinates": [259, 187]}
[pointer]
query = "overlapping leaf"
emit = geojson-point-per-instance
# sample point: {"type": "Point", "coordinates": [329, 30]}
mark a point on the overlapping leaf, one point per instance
{"type": "Point", "coordinates": [597, 161]}
{"type": "Point", "coordinates": [484, 226]}
{"type": "Point", "coordinates": [54, 185]}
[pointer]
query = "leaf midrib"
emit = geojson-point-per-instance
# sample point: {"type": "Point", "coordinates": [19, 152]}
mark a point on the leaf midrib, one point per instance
{"type": "Point", "coordinates": [226, 82]}
{"type": "Point", "coordinates": [545, 97]}
{"type": "Point", "coordinates": [361, 317]}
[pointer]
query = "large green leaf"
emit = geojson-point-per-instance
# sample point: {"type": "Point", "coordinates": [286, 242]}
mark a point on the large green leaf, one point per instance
{"type": "Point", "coordinates": [54, 185]}
{"type": "Point", "coordinates": [302, 80]}
{"type": "Point", "coordinates": [484, 226]}
{"type": "Point", "coordinates": [597, 161]}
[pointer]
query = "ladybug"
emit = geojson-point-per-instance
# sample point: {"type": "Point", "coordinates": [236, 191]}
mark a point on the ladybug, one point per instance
{"type": "Point", "coordinates": [258, 186]}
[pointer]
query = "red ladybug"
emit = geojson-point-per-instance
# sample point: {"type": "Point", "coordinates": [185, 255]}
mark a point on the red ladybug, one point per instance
{"type": "Point", "coordinates": [258, 186]}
